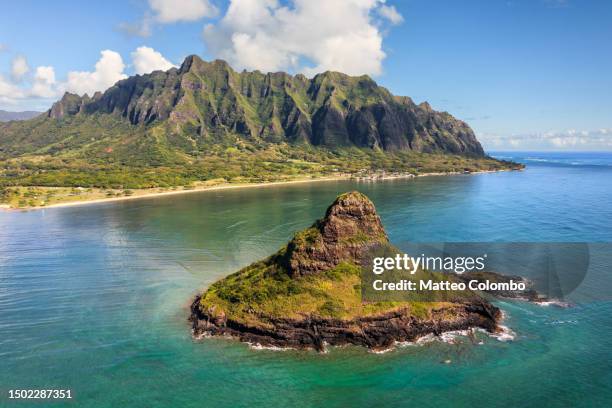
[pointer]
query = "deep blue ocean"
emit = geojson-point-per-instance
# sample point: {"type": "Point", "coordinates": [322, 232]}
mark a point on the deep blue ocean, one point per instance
{"type": "Point", "coordinates": [95, 298]}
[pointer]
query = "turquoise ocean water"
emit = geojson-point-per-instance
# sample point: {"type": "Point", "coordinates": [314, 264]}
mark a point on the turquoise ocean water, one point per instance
{"type": "Point", "coordinates": [95, 298]}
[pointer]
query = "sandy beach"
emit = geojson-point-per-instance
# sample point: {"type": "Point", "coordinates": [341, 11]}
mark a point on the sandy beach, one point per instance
{"type": "Point", "coordinates": [228, 186]}
{"type": "Point", "coordinates": [145, 194]}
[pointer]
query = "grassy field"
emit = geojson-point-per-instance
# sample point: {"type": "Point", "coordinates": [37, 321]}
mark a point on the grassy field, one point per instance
{"type": "Point", "coordinates": [264, 291]}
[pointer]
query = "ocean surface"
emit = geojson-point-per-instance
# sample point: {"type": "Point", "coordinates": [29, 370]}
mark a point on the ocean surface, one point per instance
{"type": "Point", "coordinates": [95, 298]}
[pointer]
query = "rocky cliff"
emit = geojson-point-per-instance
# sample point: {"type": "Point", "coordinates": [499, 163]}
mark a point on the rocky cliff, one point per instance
{"type": "Point", "coordinates": [308, 294]}
{"type": "Point", "coordinates": [349, 228]}
{"type": "Point", "coordinates": [207, 102]}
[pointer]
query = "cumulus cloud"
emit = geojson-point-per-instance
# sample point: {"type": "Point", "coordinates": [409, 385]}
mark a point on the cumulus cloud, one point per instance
{"type": "Point", "coordinates": [108, 70]}
{"type": "Point", "coordinates": [391, 14]}
{"type": "Point", "coordinates": [308, 36]}
{"type": "Point", "coordinates": [8, 90]}
{"type": "Point", "coordinates": [44, 85]}
{"type": "Point", "coordinates": [571, 139]}
{"type": "Point", "coordinates": [167, 12]}
{"type": "Point", "coordinates": [172, 11]}
{"type": "Point", "coordinates": [19, 67]}
{"type": "Point", "coordinates": [146, 60]}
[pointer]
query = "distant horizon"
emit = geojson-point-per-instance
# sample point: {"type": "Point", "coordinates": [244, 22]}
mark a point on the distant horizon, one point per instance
{"type": "Point", "coordinates": [547, 151]}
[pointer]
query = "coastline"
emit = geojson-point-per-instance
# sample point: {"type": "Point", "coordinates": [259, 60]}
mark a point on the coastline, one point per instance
{"type": "Point", "coordinates": [218, 187]}
{"type": "Point", "coordinates": [229, 186]}
{"type": "Point", "coordinates": [377, 333]}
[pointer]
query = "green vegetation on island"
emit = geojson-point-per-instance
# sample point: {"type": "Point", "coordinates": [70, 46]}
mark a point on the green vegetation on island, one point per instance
{"type": "Point", "coordinates": [309, 293]}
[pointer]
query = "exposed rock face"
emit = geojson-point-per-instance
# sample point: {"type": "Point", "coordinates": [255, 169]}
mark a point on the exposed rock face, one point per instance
{"type": "Point", "coordinates": [211, 100]}
{"type": "Point", "coordinates": [70, 104]}
{"type": "Point", "coordinates": [349, 228]}
{"type": "Point", "coordinates": [374, 332]}
{"type": "Point", "coordinates": [282, 300]}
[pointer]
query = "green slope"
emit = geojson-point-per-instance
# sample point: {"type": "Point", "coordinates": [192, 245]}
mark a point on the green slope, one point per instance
{"type": "Point", "coordinates": [204, 120]}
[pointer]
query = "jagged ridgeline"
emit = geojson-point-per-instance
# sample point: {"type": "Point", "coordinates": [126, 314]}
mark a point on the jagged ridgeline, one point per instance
{"type": "Point", "coordinates": [308, 294]}
{"type": "Point", "coordinates": [206, 121]}
{"type": "Point", "coordinates": [210, 101]}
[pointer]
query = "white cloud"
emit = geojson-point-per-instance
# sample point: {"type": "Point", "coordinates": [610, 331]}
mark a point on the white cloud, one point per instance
{"type": "Point", "coordinates": [146, 60]}
{"type": "Point", "coordinates": [391, 14]}
{"type": "Point", "coordinates": [19, 67]}
{"type": "Point", "coordinates": [8, 90]}
{"type": "Point", "coordinates": [44, 85]}
{"type": "Point", "coordinates": [3, 47]}
{"type": "Point", "coordinates": [168, 12]}
{"type": "Point", "coordinates": [309, 36]}
{"type": "Point", "coordinates": [570, 139]}
{"type": "Point", "coordinates": [143, 28]}
{"type": "Point", "coordinates": [108, 70]}
{"type": "Point", "coordinates": [172, 11]}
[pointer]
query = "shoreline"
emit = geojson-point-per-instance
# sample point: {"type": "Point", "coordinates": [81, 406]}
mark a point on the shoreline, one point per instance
{"type": "Point", "coordinates": [228, 186]}
{"type": "Point", "coordinates": [376, 333]}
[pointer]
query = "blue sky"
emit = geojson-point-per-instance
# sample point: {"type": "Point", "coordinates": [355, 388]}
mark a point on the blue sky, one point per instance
{"type": "Point", "coordinates": [525, 74]}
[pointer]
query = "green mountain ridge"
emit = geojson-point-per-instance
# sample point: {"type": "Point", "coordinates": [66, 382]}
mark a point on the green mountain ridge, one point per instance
{"type": "Point", "coordinates": [186, 110]}
{"type": "Point", "coordinates": [206, 123]}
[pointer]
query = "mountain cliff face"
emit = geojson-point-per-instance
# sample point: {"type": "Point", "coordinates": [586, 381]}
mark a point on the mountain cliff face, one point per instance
{"type": "Point", "coordinates": [208, 102]}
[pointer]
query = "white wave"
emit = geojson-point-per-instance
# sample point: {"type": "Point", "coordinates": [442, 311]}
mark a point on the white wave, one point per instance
{"type": "Point", "coordinates": [504, 334]}
{"type": "Point", "coordinates": [451, 336]}
{"type": "Point", "coordinates": [557, 322]}
{"type": "Point", "coordinates": [557, 303]}
{"type": "Point", "coordinates": [258, 346]}
{"type": "Point", "coordinates": [202, 335]}
{"type": "Point", "coordinates": [383, 351]}
{"type": "Point", "coordinates": [426, 339]}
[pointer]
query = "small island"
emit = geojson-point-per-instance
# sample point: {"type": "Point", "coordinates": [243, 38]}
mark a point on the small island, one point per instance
{"type": "Point", "coordinates": [308, 294]}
